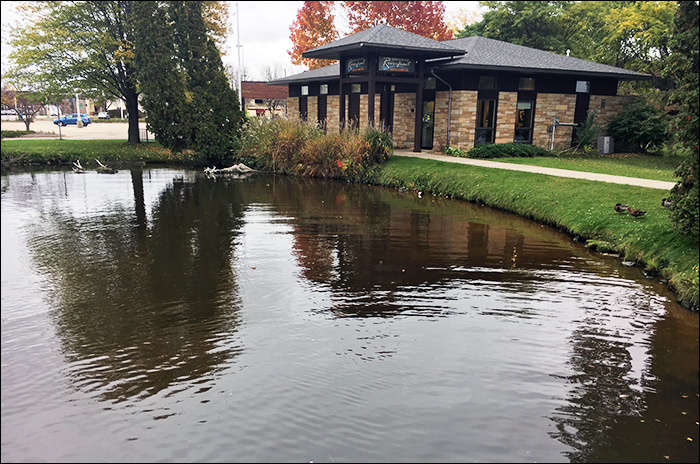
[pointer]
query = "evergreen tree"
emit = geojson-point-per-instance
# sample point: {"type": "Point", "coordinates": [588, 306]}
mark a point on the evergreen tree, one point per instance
{"type": "Point", "coordinates": [187, 97]}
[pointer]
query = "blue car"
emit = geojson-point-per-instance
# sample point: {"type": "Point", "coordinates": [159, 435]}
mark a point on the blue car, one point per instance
{"type": "Point", "coordinates": [72, 118]}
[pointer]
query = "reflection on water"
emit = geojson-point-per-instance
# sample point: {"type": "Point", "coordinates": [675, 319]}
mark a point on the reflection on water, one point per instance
{"type": "Point", "coordinates": [162, 315]}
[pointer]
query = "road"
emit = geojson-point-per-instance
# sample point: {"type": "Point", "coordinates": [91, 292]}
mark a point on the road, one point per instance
{"type": "Point", "coordinates": [97, 130]}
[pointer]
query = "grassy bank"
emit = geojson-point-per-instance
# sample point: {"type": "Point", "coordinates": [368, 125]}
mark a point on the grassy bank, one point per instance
{"type": "Point", "coordinates": [28, 151]}
{"type": "Point", "coordinates": [582, 208]}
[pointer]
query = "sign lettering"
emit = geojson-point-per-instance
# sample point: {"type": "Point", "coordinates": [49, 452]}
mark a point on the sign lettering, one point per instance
{"type": "Point", "coordinates": [394, 64]}
{"type": "Point", "coordinates": [356, 65]}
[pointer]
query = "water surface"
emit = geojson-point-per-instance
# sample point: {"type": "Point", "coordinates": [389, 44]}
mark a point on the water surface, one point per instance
{"type": "Point", "coordinates": [160, 315]}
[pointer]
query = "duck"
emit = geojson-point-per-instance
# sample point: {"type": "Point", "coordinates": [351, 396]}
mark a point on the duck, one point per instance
{"type": "Point", "coordinates": [620, 208]}
{"type": "Point", "coordinates": [636, 212]}
{"type": "Point", "coordinates": [666, 203]}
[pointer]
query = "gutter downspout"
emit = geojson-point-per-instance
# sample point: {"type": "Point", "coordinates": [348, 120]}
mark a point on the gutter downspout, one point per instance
{"type": "Point", "coordinates": [449, 105]}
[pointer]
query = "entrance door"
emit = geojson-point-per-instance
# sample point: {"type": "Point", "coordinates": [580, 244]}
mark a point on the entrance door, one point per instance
{"type": "Point", "coordinates": [428, 124]}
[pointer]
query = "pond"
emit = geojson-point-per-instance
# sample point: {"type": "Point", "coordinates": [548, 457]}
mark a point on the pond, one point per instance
{"type": "Point", "coordinates": [158, 315]}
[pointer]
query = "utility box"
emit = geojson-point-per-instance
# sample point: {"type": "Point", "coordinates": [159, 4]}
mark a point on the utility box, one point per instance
{"type": "Point", "coordinates": [606, 145]}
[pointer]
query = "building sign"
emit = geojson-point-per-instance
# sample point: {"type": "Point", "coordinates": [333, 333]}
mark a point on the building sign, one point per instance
{"type": "Point", "coordinates": [356, 65]}
{"type": "Point", "coordinates": [393, 64]}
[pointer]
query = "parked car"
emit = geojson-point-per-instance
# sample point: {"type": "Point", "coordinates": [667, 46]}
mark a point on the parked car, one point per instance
{"type": "Point", "coordinates": [72, 118]}
{"type": "Point", "coordinates": [10, 112]}
{"type": "Point", "coordinates": [103, 115]}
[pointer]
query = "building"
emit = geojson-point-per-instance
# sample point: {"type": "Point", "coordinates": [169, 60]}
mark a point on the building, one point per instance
{"type": "Point", "coordinates": [260, 99]}
{"type": "Point", "coordinates": [457, 93]}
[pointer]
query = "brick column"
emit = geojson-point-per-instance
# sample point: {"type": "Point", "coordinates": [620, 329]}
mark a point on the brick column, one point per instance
{"type": "Point", "coordinates": [505, 118]}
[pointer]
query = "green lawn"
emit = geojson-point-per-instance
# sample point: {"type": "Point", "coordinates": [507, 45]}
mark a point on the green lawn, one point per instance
{"type": "Point", "coordinates": [635, 165]}
{"type": "Point", "coordinates": [41, 151]}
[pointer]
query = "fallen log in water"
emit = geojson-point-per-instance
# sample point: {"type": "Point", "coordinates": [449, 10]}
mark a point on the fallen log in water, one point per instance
{"type": "Point", "coordinates": [105, 169]}
{"type": "Point", "coordinates": [235, 169]}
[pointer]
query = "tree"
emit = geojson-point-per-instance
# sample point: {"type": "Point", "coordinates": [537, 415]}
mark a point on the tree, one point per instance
{"type": "Point", "coordinates": [78, 47]}
{"type": "Point", "coordinates": [312, 28]}
{"type": "Point", "coordinates": [682, 66]}
{"type": "Point", "coordinates": [426, 19]}
{"type": "Point", "coordinates": [531, 24]}
{"type": "Point", "coordinates": [186, 94]}
{"type": "Point", "coordinates": [26, 103]}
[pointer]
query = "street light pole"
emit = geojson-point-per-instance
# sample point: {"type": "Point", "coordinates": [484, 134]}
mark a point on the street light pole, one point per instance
{"type": "Point", "coordinates": [238, 46]}
{"type": "Point", "coordinates": [79, 122]}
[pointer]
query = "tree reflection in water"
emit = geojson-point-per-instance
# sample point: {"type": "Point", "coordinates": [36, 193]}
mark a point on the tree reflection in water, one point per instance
{"type": "Point", "coordinates": [143, 306]}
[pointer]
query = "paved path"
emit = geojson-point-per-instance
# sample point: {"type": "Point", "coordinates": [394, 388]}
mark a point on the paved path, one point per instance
{"type": "Point", "coordinates": [655, 184]}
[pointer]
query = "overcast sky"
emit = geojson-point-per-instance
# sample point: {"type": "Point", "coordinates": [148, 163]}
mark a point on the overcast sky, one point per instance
{"type": "Point", "coordinates": [264, 33]}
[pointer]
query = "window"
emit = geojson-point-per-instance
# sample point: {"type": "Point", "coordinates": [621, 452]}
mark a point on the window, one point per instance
{"type": "Point", "coordinates": [323, 89]}
{"type": "Point", "coordinates": [602, 102]}
{"type": "Point", "coordinates": [526, 83]}
{"type": "Point", "coordinates": [583, 86]}
{"type": "Point", "coordinates": [487, 83]}
{"type": "Point", "coordinates": [430, 83]}
{"type": "Point", "coordinates": [485, 121]}
{"type": "Point", "coordinates": [355, 88]}
{"type": "Point", "coordinates": [304, 89]}
{"type": "Point", "coordinates": [523, 122]}
{"type": "Point", "coordinates": [258, 101]}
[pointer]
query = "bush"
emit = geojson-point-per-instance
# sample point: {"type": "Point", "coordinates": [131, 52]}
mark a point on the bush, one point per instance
{"type": "Point", "coordinates": [640, 125]}
{"type": "Point", "coordinates": [507, 150]}
{"type": "Point", "coordinates": [587, 134]}
{"type": "Point", "coordinates": [299, 148]}
{"type": "Point", "coordinates": [685, 213]}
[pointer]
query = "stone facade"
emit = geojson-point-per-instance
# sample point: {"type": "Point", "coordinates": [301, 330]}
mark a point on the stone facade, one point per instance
{"type": "Point", "coordinates": [312, 110]}
{"type": "Point", "coordinates": [332, 114]}
{"type": "Point", "coordinates": [505, 117]}
{"type": "Point", "coordinates": [404, 119]}
{"type": "Point", "coordinates": [547, 106]}
{"type": "Point", "coordinates": [613, 106]}
{"type": "Point", "coordinates": [462, 121]}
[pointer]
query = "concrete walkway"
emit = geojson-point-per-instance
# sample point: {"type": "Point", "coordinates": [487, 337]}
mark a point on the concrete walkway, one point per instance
{"type": "Point", "coordinates": [655, 184]}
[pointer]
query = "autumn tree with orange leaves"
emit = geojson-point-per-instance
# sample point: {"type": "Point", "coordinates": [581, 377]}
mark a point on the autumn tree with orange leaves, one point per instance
{"type": "Point", "coordinates": [314, 26]}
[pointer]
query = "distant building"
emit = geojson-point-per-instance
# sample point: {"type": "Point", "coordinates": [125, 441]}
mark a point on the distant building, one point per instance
{"type": "Point", "coordinates": [456, 93]}
{"type": "Point", "coordinates": [260, 99]}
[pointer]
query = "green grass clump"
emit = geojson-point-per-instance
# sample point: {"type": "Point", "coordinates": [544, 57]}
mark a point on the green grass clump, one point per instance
{"type": "Point", "coordinates": [583, 208]}
{"type": "Point", "coordinates": [9, 134]}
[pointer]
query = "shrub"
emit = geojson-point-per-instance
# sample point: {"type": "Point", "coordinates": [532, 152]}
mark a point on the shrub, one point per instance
{"type": "Point", "coordinates": [507, 150]}
{"type": "Point", "coordinates": [293, 146]}
{"type": "Point", "coordinates": [587, 134]}
{"type": "Point", "coordinates": [685, 213]}
{"type": "Point", "coordinates": [640, 125]}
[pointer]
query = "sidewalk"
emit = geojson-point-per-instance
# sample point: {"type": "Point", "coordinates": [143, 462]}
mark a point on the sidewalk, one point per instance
{"type": "Point", "coordinates": [655, 184]}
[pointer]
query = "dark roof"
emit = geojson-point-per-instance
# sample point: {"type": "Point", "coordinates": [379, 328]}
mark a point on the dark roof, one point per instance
{"type": "Point", "coordinates": [250, 89]}
{"type": "Point", "coordinates": [328, 72]}
{"type": "Point", "coordinates": [484, 53]}
{"type": "Point", "coordinates": [383, 37]}
{"type": "Point", "coordinates": [474, 53]}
